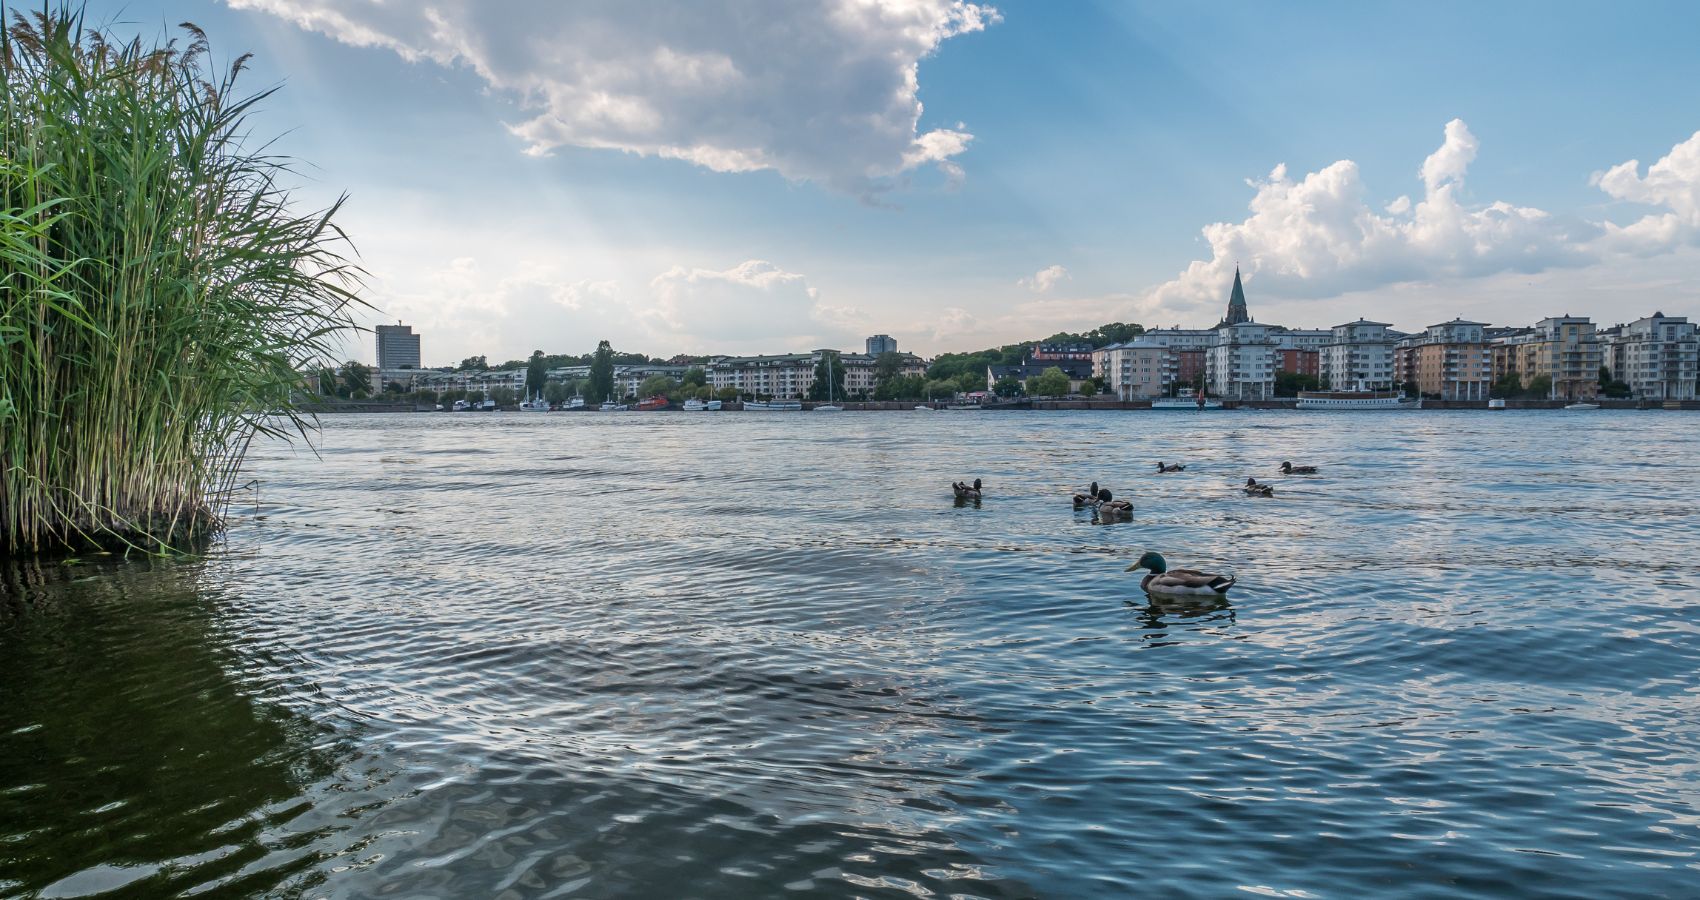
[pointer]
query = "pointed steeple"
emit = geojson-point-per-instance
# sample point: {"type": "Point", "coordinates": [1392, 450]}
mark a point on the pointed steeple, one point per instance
{"type": "Point", "coordinates": [1236, 303]}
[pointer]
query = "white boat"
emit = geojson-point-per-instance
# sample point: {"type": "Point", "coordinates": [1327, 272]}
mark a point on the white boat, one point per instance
{"type": "Point", "coordinates": [460, 406]}
{"type": "Point", "coordinates": [829, 406]}
{"type": "Point", "coordinates": [712, 406]}
{"type": "Point", "coordinates": [611, 406]}
{"type": "Point", "coordinates": [1583, 406]}
{"type": "Point", "coordinates": [695, 405]}
{"type": "Point", "coordinates": [923, 408]}
{"type": "Point", "coordinates": [1185, 400]}
{"type": "Point", "coordinates": [774, 405]}
{"type": "Point", "coordinates": [1359, 399]}
{"type": "Point", "coordinates": [1496, 403]}
{"type": "Point", "coordinates": [962, 406]}
{"type": "Point", "coordinates": [575, 403]}
{"type": "Point", "coordinates": [535, 404]}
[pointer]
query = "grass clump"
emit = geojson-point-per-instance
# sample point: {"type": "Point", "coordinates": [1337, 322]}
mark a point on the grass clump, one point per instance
{"type": "Point", "coordinates": [159, 297]}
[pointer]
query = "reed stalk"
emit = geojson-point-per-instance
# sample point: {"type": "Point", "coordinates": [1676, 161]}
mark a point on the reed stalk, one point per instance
{"type": "Point", "coordinates": [159, 297]}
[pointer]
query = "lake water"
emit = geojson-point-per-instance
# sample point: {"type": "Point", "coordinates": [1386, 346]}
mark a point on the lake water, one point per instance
{"type": "Point", "coordinates": [739, 654]}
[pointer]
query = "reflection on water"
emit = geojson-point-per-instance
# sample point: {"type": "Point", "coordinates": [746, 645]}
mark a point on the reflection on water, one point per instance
{"type": "Point", "coordinates": [728, 656]}
{"type": "Point", "coordinates": [136, 751]}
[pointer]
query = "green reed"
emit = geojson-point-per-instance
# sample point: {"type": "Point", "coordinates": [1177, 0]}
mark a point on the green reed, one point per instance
{"type": "Point", "coordinates": [158, 296]}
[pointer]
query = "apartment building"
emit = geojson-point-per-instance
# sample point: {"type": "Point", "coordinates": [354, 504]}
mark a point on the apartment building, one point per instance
{"type": "Point", "coordinates": [1564, 349]}
{"type": "Point", "coordinates": [1357, 353]}
{"type": "Point", "coordinates": [1448, 361]}
{"type": "Point", "coordinates": [1657, 356]}
{"type": "Point", "coordinates": [792, 375]}
{"type": "Point", "coordinates": [1133, 371]}
{"type": "Point", "coordinates": [1241, 364]}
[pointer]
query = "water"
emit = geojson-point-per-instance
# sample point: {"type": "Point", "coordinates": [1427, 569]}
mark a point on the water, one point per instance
{"type": "Point", "coordinates": [734, 655]}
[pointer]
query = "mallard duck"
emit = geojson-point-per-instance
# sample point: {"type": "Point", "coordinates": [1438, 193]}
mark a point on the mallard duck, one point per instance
{"type": "Point", "coordinates": [1288, 468]}
{"type": "Point", "coordinates": [966, 491]}
{"type": "Point", "coordinates": [1088, 498]}
{"type": "Point", "coordinates": [1259, 490]}
{"type": "Point", "coordinates": [1110, 508]}
{"type": "Point", "coordinates": [1179, 582]}
{"type": "Point", "coordinates": [1165, 467]}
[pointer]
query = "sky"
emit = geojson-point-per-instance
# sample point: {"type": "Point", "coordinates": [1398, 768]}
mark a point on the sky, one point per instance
{"type": "Point", "coordinates": [771, 176]}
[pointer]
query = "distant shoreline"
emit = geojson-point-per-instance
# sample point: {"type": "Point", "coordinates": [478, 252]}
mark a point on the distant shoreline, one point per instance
{"type": "Point", "coordinates": [1052, 405]}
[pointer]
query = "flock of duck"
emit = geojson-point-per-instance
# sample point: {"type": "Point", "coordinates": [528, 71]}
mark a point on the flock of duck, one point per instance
{"type": "Point", "coordinates": [1160, 579]}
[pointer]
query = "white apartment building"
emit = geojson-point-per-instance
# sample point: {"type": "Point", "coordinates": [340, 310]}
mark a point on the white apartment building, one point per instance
{"type": "Point", "coordinates": [1242, 365]}
{"type": "Point", "coordinates": [1359, 352]}
{"type": "Point", "coordinates": [1171, 341]}
{"type": "Point", "coordinates": [1132, 371]}
{"type": "Point", "coordinates": [1657, 356]}
{"type": "Point", "coordinates": [792, 375]}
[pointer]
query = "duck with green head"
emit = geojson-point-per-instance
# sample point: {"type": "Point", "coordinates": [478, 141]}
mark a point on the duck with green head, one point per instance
{"type": "Point", "coordinates": [1179, 582]}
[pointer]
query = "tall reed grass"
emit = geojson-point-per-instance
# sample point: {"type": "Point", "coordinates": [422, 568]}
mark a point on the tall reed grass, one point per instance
{"type": "Point", "coordinates": [159, 297]}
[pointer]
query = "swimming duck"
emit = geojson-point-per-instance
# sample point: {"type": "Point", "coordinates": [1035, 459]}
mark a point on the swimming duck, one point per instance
{"type": "Point", "coordinates": [1288, 468]}
{"type": "Point", "coordinates": [1109, 508]}
{"type": "Point", "coordinates": [966, 491]}
{"type": "Point", "coordinates": [1259, 490]}
{"type": "Point", "coordinates": [1088, 498]}
{"type": "Point", "coordinates": [1179, 582]}
{"type": "Point", "coordinates": [1165, 467]}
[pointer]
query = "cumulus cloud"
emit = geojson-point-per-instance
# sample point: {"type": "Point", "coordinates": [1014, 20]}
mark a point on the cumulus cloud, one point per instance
{"type": "Point", "coordinates": [1043, 280]}
{"type": "Point", "coordinates": [755, 306]}
{"type": "Point", "coordinates": [1673, 183]}
{"type": "Point", "coordinates": [1318, 235]}
{"type": "Point", "coordinates": [819, 90]}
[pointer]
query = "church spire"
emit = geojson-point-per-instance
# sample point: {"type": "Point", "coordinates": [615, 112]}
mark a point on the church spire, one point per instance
{"type": "Point", "coordinates": [1236, 303]}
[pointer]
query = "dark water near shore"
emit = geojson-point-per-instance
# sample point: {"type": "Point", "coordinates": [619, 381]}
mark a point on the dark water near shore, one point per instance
{"type": "Point", "coordinates": [735, 655]}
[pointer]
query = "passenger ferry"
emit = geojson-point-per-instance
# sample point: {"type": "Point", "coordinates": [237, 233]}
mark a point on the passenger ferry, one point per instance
{"type": "Point", "coordinates": [1362, 398]}
{"type": "Point", "coordinates": [1186, 400]}
{"type": "Point", "coordinates": [774, 405]}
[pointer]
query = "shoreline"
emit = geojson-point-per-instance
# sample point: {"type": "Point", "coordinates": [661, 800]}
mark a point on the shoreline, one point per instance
{"type": "Point", "coordinates": [1054, 405]}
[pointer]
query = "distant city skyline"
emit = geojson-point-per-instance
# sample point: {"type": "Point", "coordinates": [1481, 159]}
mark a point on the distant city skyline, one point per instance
{"type": "Point", "coordinates": [763, 177]}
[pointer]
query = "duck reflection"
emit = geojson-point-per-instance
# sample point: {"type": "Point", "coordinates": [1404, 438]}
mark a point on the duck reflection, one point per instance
{"type": "Point", "coordinates": [1159, 612]}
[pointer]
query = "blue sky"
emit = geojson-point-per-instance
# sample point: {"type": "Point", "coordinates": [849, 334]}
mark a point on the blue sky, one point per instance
{"type": "Point", "coordinates": [749, 176]}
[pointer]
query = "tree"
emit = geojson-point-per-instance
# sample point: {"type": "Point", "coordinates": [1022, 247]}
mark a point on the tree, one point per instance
{"type": "Point", "coordinates": [1098, 385]}
{"type": "Point", "coordinates": [726, 393]}
{"type": "Point", "coordinates": [1050, 383]}
{"type": "Point", "coordinates": [504, 396]}
{"type": "Point", "coordinates": [969, 382]}
{"type": "Point", "coordinates": [1540, 386]}
{"type": "Point", "coordinates": [536, 374]}
{"type": "Point", "coordinates": [394, 387]}
{"type": "Point", "coordinates": [1288, 384]}
{"type": "Point", "coordinates": [602, 373]}
{"type": "Point", "coordinates": [657, 386]}
{"type": "Point", "coordinates": [356, 378]}
{"type": "Point", "coordinates": [1007, 386]}
{"type": "Point", "coordinates": [1508, 385]}
{"type": "Point", "coordinates": [475, 396]}
{"type": "Point", "coordinates": [829, 366]}
{"type": "Point", "coordinates": [1611, 387]}
{"type": "Point", "coordinates": [940, 387]}
{"type": "Point", "coordinates": [704, 392]}
{"type": "Point", "coordinates": [425, 397]}
{"type": "Point", "coordinates": [555, 392]}
{"type": "Point", "coordinates": [474, 364]}
{"type": "Point", "coordinates": [694, 376]}
{"type": "Point", "coordinates": [327, 381]}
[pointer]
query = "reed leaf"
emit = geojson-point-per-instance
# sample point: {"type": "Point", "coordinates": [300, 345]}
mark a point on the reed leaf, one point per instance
{"type": "Point", "coordinates": [159, 295]}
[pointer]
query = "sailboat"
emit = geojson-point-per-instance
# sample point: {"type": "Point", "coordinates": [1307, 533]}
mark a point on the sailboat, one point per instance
{"type": "Point", "coordinates": [829, 406]}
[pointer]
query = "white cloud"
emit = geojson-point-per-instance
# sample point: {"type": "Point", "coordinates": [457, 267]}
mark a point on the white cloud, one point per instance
{"type": "Point", "coordinates": [1673, 183]}
{"type": "Point", "coordinates": [1045, 279]}
{"type": "Point", "coordinates": [753, 307]}
{"type": "Point", "coordinates": [820, 90]}
{"type": "Point", "coordinates": [1319, 237]}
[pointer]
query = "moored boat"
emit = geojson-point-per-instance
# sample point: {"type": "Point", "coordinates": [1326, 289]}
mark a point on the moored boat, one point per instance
{"type": "Point", "coordinates": [535, 404]}
{"type": "Point", "coordinates": [695, 405]}
{"type": "Point", "coordinates": [1496, 403]}
{"type": "Point", "coordinates": [611, 406]}
{"type": "Point", "coordinates": [774, 405]}
{"type": "Point", "coordinates": [1582, 405]}
{"type": "Point", "coordinates": [1186, 399]}
{"type": "Point", "coordinates": [575, 403]}
{"type": "Point", "coordinates": [1360, 399]}
{"type": "Point", "coordinates": [650, 404]}
{"type": "Point", "coordinates": [712, 406]}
